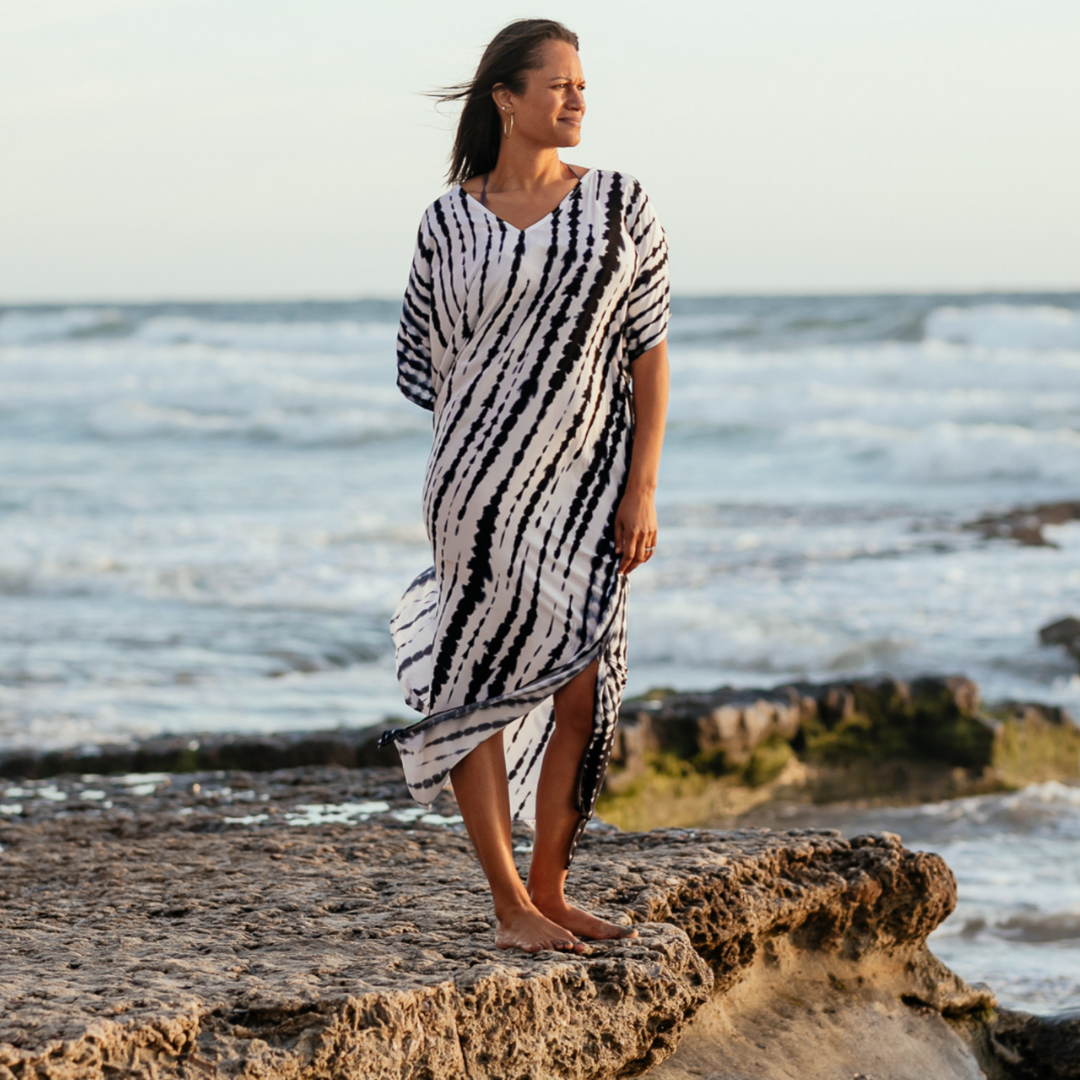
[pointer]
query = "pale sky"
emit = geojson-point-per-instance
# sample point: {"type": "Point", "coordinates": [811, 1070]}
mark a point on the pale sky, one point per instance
{"type": "Point", "coordinates": [214, 149]}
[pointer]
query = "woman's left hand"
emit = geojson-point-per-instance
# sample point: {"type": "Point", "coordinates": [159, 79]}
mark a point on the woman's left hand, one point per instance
{"type": "Point", "coordinates": [635, 530]}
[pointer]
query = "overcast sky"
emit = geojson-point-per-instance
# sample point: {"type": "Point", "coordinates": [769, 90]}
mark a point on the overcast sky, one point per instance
{"type": "Point", "coordinates": [202, 149]}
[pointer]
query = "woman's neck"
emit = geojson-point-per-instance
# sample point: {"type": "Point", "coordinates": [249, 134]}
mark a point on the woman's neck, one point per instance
{"type": "Point", "coordinates": [525, 168]}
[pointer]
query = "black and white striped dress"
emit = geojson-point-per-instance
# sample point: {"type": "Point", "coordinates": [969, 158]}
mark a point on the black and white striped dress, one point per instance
{"type": "Point", "coordinates": [521, 343]}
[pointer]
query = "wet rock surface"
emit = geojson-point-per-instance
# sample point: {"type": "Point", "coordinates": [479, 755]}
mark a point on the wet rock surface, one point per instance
{"type": "Point", "coordinates": [1024, 525]}
{"type": "Point", "coordinates": [1065, 632]}
{"type": "Point", "coordinates": [1037, 1047]}
{"type": "Point", "coordinates": [349, 748]}
{"type": "Point", "coordinates": [315, 923]}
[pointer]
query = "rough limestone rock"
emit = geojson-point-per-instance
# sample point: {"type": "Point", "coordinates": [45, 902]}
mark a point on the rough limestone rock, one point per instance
{"type": "Point", "coordinates": [711, 758]}
{"type": "Point", "coordinates": [310, 924]}
{"type": "Point", "coordinates": [315, 923]}
{"type": "Point", "coordinates": [933, 718]}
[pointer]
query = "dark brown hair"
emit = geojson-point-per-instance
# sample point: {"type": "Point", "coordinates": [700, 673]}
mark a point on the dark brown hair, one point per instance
{"type": "Point", "coordinates": [514, 50]}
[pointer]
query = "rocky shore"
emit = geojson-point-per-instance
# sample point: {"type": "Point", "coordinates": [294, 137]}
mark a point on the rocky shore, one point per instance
{"type": "Point", "coordinates": [277, 906]}
{"type": "Point", "coordinates": [313, 922]}
{"type": "Point", "coordinates": [714, 759]}
{"type": "Point", "coordinates": [753, 756]}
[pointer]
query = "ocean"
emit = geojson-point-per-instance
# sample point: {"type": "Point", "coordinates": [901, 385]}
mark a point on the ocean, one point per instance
{"type": "Point", "coordinates": [209, 511]}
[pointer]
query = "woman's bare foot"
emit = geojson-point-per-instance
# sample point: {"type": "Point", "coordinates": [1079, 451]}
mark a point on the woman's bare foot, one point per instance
{"type": "Point", "coordinates": [529, 930]}
{"type": "Point", "coordinates": [583, 924]}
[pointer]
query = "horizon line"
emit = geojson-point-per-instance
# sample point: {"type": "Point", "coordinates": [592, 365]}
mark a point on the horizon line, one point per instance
{"type": "Point", "coordinates": [353, 298]}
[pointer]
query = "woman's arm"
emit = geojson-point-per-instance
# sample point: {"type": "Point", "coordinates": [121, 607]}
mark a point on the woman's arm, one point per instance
{"type": "Point", "coordinates": [635, 520]}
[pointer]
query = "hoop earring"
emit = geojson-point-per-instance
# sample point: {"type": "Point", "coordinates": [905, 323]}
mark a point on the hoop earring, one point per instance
{"type": "Point", "coordinates": [508, 133]}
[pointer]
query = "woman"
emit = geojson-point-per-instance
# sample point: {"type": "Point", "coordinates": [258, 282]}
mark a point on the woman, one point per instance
{"type": "Point", "coordinates": [533, 326]}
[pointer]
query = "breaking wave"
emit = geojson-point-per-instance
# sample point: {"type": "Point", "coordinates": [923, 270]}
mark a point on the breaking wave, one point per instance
{"type": "Point", "coordinates": [1006, 326]}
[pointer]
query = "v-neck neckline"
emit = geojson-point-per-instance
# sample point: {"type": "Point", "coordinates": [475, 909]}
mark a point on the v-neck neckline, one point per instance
{"type": "Point", "coordinates": [539, 221]}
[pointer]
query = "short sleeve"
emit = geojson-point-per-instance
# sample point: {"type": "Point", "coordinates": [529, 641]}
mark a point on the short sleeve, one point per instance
{"type": "Point", "coordinates": [414, 332]}
{"type": "Point", "coordinates": [649, 307]}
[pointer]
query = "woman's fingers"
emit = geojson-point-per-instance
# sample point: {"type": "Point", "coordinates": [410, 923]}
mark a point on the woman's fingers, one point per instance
{"type": "Point", "coordinates": [635, 549]}
{"type": "Point", "coordinates": [629, 552]}
{"type": "Point", "coordinates": [635, 532]}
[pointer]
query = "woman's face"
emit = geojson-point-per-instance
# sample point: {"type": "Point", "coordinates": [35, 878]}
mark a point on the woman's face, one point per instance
{"type": "Point", "coordinates": [552, 107]}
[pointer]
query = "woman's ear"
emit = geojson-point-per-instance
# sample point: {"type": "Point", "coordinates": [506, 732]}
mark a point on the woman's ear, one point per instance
{"type": "Point", "coordinates": [502, 96]}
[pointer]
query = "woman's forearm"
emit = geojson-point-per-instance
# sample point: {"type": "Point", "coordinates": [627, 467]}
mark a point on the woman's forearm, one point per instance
{"type": "Point", "coordinates": [650, 379]}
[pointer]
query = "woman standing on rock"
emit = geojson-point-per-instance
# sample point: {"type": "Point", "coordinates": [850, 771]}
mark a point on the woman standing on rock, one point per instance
{"type": "Point", "coordinates": [533, 327]}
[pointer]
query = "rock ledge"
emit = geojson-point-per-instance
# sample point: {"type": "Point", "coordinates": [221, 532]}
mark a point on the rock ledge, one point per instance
{"type": "Point", "coordinates": [313, 923]}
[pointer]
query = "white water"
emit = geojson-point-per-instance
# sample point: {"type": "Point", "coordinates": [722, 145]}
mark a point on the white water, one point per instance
{"type": "Point", "coordinates": [207, 514]}
{"type": "Point", "coordinates": [1017, 923]}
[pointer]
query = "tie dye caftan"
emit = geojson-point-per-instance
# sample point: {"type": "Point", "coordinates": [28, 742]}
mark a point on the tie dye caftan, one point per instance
{"type": "Point", "coordinates": [521, 343]}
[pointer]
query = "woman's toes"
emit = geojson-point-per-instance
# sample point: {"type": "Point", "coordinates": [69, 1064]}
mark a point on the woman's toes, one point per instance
{"type": "Point", "coordinates": [533, 932]}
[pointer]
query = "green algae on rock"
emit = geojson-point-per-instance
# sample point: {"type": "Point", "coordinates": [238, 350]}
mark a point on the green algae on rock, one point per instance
{"type": "Point", "coordinates": [705, 758]}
